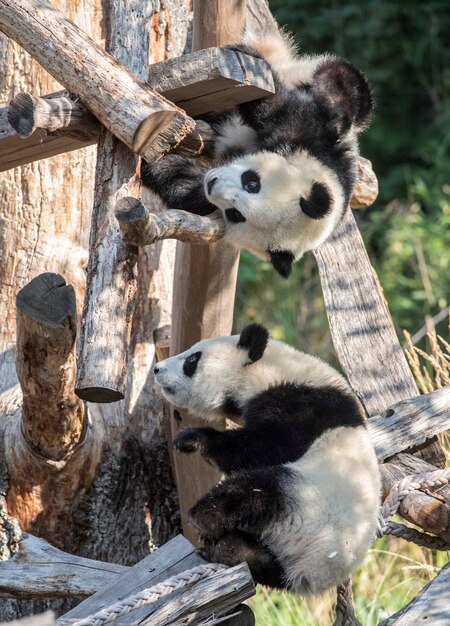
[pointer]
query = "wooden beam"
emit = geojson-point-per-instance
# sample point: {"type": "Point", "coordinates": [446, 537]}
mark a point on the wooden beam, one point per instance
{"type": "Point", "coordinates": [39, 571]}
{"type": "Point", "coordinates": [53, 418]}
{"type": "Point", "coordinates": [361, 327]}
{"type": "Point", "coordinates": [102, 355]}
{"type": "Point", "coordinates": [205, 278]}
{"type": "Point", "coordinates": [410, 423]}
{"type": "Point", "coordinates": [172, 558]}
{"type": "Point", "coordinates": [430, 606]}
{"type": "Point", "coordinates": [145, 121]}
{"type": "Point", "coordinates": [212, 79]}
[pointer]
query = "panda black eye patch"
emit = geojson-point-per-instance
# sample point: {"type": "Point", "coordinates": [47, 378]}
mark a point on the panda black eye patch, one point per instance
{"type": "Point", "coordinates": [190, 364]}
{"type": "Point", "coordinates": [251, 182]}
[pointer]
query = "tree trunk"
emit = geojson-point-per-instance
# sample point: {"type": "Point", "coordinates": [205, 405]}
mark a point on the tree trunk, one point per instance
{"type": "Point", "coordinates": [120, 501]}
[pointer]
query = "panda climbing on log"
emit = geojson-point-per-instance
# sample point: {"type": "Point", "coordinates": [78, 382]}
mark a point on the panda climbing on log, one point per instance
{"type": "Point", "coordinates": [301, 491]}
{"type": "Point", "coordinates": [285, 164]}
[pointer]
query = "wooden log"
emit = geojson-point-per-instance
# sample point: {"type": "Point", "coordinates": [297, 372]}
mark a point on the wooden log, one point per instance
{"type": "Point", "coordinates": [172, 558]}
{"type": "Point", "coordinates": [102, 357]}
{"type": "Point", "coordinates": [139, 227]}
{"type": "Point", "coordinates": [365, 191]}
{"type": "Point", "coordinates": [41, 144]}
{"type": "Point", "coordinates": [40, 571]}
{"type": "Point", "coordinates": [145, 121]}
{"type": "Point", "coordinates": [430, 510]}
{"type": "Point", "coordinates": [361, 327]}
{"type": "Point", "coordinates": [205, 279]}
{"type": "Point", "coordinates": [207, 79]}
{"type": "Point", "coordinates": [430, 606]}
{"type": "Point", "coordinates": [410, 423]}
{"type": "Point", "coordinates": [53, 418]}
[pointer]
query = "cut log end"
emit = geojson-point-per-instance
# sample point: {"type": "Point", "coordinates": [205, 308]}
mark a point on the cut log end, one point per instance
{"type": "Point", "coordinates": [365, 191]}
{"type": "Point", "coordinates": [21, 114]}
{"type": "Point", "coordinates": [48, 300]}
{"type": "Point", "coordinates": [100, 395]}
{"type": "Point", "coordinates": [160, 133]}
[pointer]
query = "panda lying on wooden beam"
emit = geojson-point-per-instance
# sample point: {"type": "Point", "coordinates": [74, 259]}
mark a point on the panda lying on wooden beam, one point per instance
{"type": "Point", "coordinates": [301, 492]}
{"type": "Point", "coordinates": [286, 164]}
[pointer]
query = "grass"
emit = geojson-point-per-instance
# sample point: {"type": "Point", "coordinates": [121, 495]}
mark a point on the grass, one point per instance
{"type": "Point", "coordinates": [393, 572]}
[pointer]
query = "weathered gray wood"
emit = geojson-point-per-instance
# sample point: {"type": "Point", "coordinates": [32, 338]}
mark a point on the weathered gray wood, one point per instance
{"type": "Point", "coordinates": [53, 418]}
{"type": "Point", "coordinates": [145, 121]}
{"type": "Point", "coordinates": [431, 510]}
{"type": "Point", "coordinates": [15, 150]}
{"type": "Point", "coordinates": [410, 423]}
{"type": "Point", "coordinates": [43, 619]}
{"type": "Point", "coordinates": [102, 355]}
{"type": "Point", "coordinates": [209, 79]}
{"type": "Point", "coordinates": [174, 557]}
{"type": "Point", "coordinates": [213, 595]}
{"type": "Point", "coordinates": [361, 327]}
{"type": "Point", "coordinates": [139, 227]}
{"type": "Point", "coordinates": [38, 570]}
{"type": "Point", "coordinates": [430, 606]}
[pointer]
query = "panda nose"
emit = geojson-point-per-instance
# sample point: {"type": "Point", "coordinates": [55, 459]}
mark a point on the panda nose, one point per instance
{"type": "Point", "coordinates": [156, 369]}
{"type": "Point", "coordinates": [210, 184]}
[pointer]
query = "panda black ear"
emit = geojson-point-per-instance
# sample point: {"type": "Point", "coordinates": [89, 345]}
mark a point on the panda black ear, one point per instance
{"type": "Point", "coordinates": [319, 202]}
{"type": "Point", "coordinates": [254, 339]}
{"type": "Point", "coordinates": [344, 93]}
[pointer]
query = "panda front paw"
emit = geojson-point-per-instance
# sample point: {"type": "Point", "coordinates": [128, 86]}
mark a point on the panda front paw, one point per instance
{"type": "Point", "coordinates": [207, 520]}
{"type": "Point", "coordinates": [189, 440]}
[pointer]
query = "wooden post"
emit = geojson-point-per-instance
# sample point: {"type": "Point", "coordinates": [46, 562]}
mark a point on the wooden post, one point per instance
{"type": "Point", "coordinates": [53, 418]}
{"type": "Point", "coordinates": [145, 121]}
{"type": "Point", "coordinates": [206, 276]}
{"type": "Point", "coordinates": [110, 291]}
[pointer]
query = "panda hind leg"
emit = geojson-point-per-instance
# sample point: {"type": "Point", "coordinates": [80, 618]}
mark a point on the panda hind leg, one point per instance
{"type": "Point", "coordinates": [238, 547]}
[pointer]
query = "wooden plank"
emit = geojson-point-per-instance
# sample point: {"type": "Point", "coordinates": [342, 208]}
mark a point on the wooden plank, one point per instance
{"type": "Point", "coordinates": [172, 558]}
{"type": "Point", "coordinates": [214, 595]}
{"type": "Point", "coordinates": [38, 570]}
{"type": "Point", "coordinates": [431, 606]}
{"type": "Point", "coordinates": [361, 327]}
{"type": "Point", "coordinates": [410, 423]}
{"type": "Point", "coordinates": [199, 82]}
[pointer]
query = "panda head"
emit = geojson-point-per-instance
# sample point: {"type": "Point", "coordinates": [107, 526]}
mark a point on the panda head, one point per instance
{"type": "Point", "coordinates": [276, 206]}
{"type": "Point", "coordinates": [213, 379]}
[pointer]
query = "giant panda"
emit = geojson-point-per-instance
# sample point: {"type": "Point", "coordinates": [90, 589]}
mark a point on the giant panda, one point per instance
{"type": "Point", "coordinates": [285, 164]}
{"type": "Point", "coordinates": [301, 488]}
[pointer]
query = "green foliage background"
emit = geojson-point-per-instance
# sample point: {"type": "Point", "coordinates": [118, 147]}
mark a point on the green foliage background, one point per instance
{"type": "Point", "coordinates": [404, 49]}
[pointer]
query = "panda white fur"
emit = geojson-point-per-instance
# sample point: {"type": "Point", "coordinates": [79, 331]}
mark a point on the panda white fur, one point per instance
{"type": "Point", "coordinates": [286, 164]}
{"type": "Point", "coordinates": [301, 491]}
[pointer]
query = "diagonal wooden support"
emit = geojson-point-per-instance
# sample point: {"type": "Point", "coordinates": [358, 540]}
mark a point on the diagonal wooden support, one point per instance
{"type": "Point", "coordinates": [209, 79]}
{"type": "Point", "coordinates": [145, 121]}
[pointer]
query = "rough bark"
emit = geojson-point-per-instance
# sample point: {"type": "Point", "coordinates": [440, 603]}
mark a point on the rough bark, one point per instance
{"type": "Point", "coordinates": [145, 121]}
{"type": "Point", "coordinates": [128, 503]}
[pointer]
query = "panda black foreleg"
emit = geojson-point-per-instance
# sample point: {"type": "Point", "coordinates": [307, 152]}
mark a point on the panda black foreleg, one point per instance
{"type": "Point", "coordinates": [228, 450]}
{"type": "Point", "coordinates": [246, 501]}
{"type": "Point", "coordinates": [236, 547]}
{"type": "Point", "coordinates": [178, 181]}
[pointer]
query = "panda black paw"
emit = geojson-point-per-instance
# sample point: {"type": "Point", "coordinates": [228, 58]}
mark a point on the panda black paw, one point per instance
{"type": "Point", "coordinates": [189, 440]}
